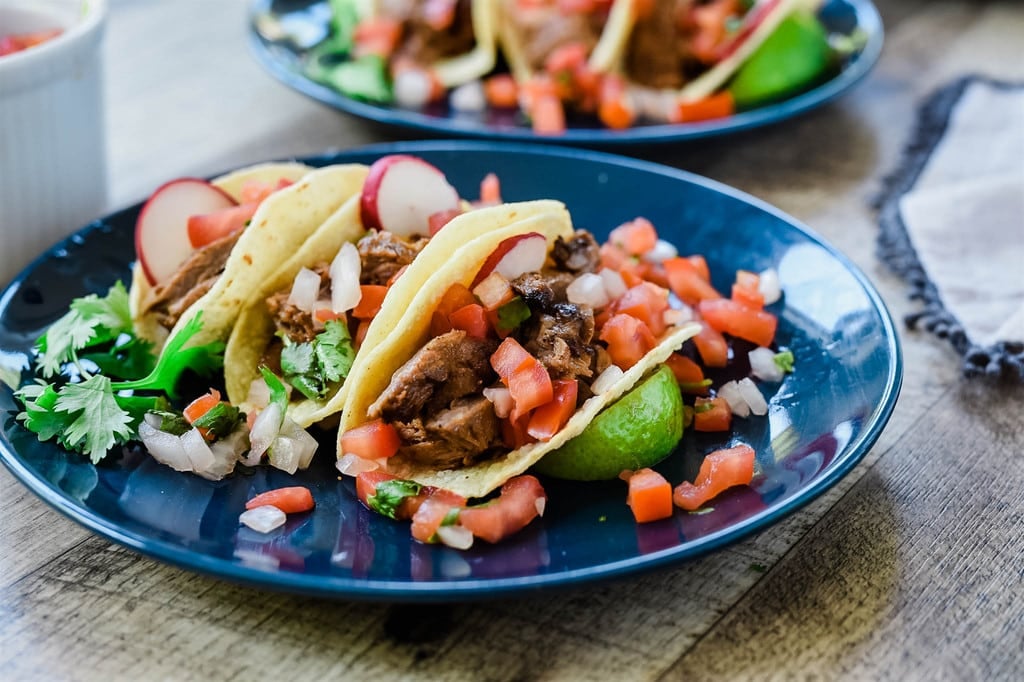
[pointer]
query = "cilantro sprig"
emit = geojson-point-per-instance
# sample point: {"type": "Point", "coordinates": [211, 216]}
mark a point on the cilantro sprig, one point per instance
{"type": "Point", "coordinates": [94, 414]}
{"type": "Point", "coordinates": [312, 367]}
{"type": "Point", "coordinates": [389, 495]}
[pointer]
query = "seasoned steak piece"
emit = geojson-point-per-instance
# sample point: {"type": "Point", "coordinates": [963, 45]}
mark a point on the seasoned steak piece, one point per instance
{"type": "Point", "coordinates": [543, 32]}
{"type": "Point", "coordinates": [657, 49]}
{"type": "Point", "coordinates": [448, 367]}
{"type": "Point", "coordinates": [454, 437]}
{"type": "Point", "coordinates": [561, 338]}
{"type": "Point", "coordinates": [579, 255]}
{"type": "Point", "coordinates": [193, 278]}
{"type": "Point", "coordinates": [383, 254]}
{"type": "Point", "coordinates": [541, 290]}
{"type": "Point", "coordinates": [297, 324]}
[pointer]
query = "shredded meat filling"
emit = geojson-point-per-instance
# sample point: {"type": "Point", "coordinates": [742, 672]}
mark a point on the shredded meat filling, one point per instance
{"type": "Point", "coordinates": [191, 281]}
{"type": "Point", "coordinates": [658, 54]}
{"type": "Point", "coordinates": [578, 255]}
{"type": "Point", "coordinates": [561, 339]}
{"type": "Point", "coordinates": [383, 255]}
{"type": "Point", "coordinates": [424, 43]}
{"type": "Point", "coordinates": [298, 325]}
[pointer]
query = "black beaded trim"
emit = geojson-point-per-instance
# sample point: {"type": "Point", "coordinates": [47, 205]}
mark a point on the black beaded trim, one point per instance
{"type": "Point", "coordinates": [1003, 359]}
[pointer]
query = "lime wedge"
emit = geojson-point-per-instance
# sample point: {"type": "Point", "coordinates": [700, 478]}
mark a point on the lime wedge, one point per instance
{"type": "Point", "coordinates": [638, 430]}
{"type": "Point", "coordinates": [792, 58]}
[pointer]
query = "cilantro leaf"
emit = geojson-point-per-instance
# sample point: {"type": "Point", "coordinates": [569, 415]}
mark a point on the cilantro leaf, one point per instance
{"type": "Point", "coordinates": [311, 367]}
{"type": "Point", "coordinates": [90, 321]}
{"type": "Point", "coordinates": [172, 422]}
{"type": "Point", "coordinates": [98, 421]}
{"type": "Point", "coordinates": [390, 494]}
{"type": "Point", "coordinates": [219, 420]}
{"type": "Point", "coordinates": [784, 361]}
{"type": "Point", "coordinates": [297, 358]}
{"type": "Point", "coordinates": [175, 359]}
{"type": "Point", "coordinates": [39, 416]}
{"type": "Point", "coordinates": [278, 391]}
{"type": "Point", "coordinates": [513, 314]}
{"type": "Point", "coordinates": [128, 358]}
{"type": "Point", "coordinates": [334, 350]}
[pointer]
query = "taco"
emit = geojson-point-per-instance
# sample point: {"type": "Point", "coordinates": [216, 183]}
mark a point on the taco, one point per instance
{"type": "Point", "coordinates": [495, 365]}
{"type": "Point", "coordinates": [340, 295]}
{"type": "Point", "coordinates": [217, 277]}
{"type": "Point", "coordinates": [693, 48]}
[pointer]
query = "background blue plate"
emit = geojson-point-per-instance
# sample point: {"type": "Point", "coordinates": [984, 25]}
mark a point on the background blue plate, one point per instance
{"type": "Point", "coordinates": [822, 419]}
{"type": "Point", "coordinates": [306, 21]}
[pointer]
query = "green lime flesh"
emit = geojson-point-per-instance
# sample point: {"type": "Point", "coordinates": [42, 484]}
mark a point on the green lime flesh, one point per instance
{"type": "Point", "coordinates": [792, 58]}
{"type": "Point", "coordinates": [638, 430]}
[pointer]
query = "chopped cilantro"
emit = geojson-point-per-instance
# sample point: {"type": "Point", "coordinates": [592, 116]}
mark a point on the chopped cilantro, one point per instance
{"type": "Point", "coordinates": [784, 361]}
{"type": "Point", "coordinates": [220, 420]}
{"type": "Point", "coordinates": [312, 367]}
{"type": "Point", "coordinates": [452, 517]}
{"type": "Point", "coordinates": [390, 494]}
{"type": "Point", "coordinates": [278, 391]}
{"type": "Point", "coordinates": [702, 407]}
{"type": "Point", "coordinates": [513, 314]}
{"type": "Point", "coordinates": [172, 422]}
{"type": "Point", "coordinates": [90, 321]}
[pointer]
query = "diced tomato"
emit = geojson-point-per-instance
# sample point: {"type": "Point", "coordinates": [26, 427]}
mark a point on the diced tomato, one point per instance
{"type": "Point", "coordinates": [646, 302]}
{"type": "Point", "coordinates": [548, 115]}
{"type": "Point", "coordinates": [501, 91]}
{"type": "Point", "coordinates": [372, 440]}
{"type": "Point", "coordinates": [201, 405]}
{"type": "Point", "coordinates": [719, 471]}
{"type": "Point", "coordinates": [736, 319]}
{"type": "Point", "coordinates": [439, 14]}
{"type": "Point", "coordinates": [700, 264]}
{"type": "Point", "coordinates": [577, 6]}
{"type": "Point", "coordinates": [371, 301]}
{"type": "Point", "coordinates": [630, 273]}
{"type": "Point", "coordinates": [323, 315]}
{"type": "Point", "coordinates": [614, 108]}
{"type": "Point", "coordinates": [515, 433]}
{"type": "Point", "coordinates": [522, 499]}
{"type": "Point", "coordinates": [471, 319]}
{"type": "Point", "coordinates": [654, 272]}
{"type": "Point", "coordinates": [291, 500]}
{"type": "Point", "coordinates": [688, 282]}
{"type": "Point", "coordinates": [508, 358]}
{"type": "Point", "coordinates": [565, 59]}
{"type": "Point", "coordinates": [409, 506]}
{"type": "Point", "coordinates": [438, 220]}
{"type": "Point", "coordinates": [628, 340]}
{"type": "Point", "coordinates": [490, 189]}
{"type": "Point", "coordinates": [530, 386]}
{"type": "Point", "coordinates": [746, 290]}
{"type": "Point", "coordinates": [711, 414]}
{"type": "Point", "coordinates": [367, 482]}
{"type": "Point", "coordinates": [712, 347]}
{"type": "Point", "coordinates": [711, 20]}
{"type": "Point", "coordinates": [377, 35]}
{"type": "Point", "coordinates": [718, 105]}
{"type": "Point", "coordinates": [636, 237]}
{"type": "Point", "coordinates": [360, 335]}
{"type": "Point", "coordinates": [457, 296]}
{"type": "Point", "coordinates": [650, 496]}
{"type": "Point", "coordinates": [429, 517]}
{"type": "Point", "coordinates": [17, 42]}
{"type": "Point", "coordinates": [612, 257]}
{"type": "Point", "coordinates": [547, 420]}
{"type": "Point", "coordinates": [688, 373]}
{"type": "Point", "coordinates": [209, 227]}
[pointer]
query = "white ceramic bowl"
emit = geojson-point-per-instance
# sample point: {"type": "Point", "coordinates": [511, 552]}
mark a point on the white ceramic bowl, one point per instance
{"type": "Point", "coordinates": [53, 172]}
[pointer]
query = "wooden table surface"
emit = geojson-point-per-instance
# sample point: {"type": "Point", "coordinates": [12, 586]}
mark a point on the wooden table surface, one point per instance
{"type": "Point", "coordinates": [910, 568]}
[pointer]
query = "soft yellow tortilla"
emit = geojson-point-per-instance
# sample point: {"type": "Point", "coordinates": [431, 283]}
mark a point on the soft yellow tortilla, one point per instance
{"type": "Point", "coordinates": [480, 60]}
{"type": "Point", "coordinates": [145, 325]}
{"type": "Point", "coordinates": [374, 370]}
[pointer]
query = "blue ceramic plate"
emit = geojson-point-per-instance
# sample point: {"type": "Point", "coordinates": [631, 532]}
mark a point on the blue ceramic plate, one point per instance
{"type": "Point", "coordinates": [822, 418]}
{"type": "Point", "coordinates": [282, 31]}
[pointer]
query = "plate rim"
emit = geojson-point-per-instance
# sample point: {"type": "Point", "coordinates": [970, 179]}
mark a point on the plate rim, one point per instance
{"type": "Point", "coordinates": [868, 19]}
{"type": "Point", "coordinates": [482, 589]}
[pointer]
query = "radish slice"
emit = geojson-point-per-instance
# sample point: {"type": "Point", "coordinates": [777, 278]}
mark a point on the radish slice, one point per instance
{"type": "Point", "coordinates": [402, 192]}
{"type": "Point", "coordinates": [515, 256]}
{"type": "Point", "coordinates": [161, 232]}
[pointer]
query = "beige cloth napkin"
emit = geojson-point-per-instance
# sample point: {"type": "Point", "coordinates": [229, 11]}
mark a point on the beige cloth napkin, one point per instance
{"type": "Point", "coordinates": [953, 222]}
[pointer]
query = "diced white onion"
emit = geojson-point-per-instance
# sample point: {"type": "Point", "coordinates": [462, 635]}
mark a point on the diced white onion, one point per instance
{"type": "Point", "coordinates": [305, 444]}
{"type": "Point", "coordinates": [413, 88]}
{"type": "Point", "coordinates": [606, 379]}
{"type": "Point", "coordinates": [263, 519]}
{"type": "Point", "coordinates": [588, 289]}
{"type": "Point", "coordinates": [353, 465]}
{"type": "Point", "coordinates": [345, 270]}
{"type": "Point", "coordinates": [676, 316]}
{"type": "Point", "coordinates": [468, 97]}
{"type": "Point", "coordinates": [730, 391]}
{"type": "Point", "coordinates": [769, 286]}
{"type": "Point", "coordinates": [614, 285]}
{"type": "Point", "coordinates": [501, 398]}
{"type": "Point", "coordinates": [283, 454]}
{"type": "Point", "coordinates": [492, 291]}
{"type": "Point", "coordinates": [305, 289]}
{"type": "Point", "coordinates": [264, 431]}
{"type": "Point", "coordinates": [455, 537]}
{"type": "Point", "coordinates": [540, 503]}
{"type": "Point", "coordinates": [197, 451]}
{"type": "Point", "coordinates": [752, 396]}
{"type": "Point", "coordinates": [259, 394]}
{"type": "Point", "coordinates": [226, 452]}
{"type": "Point", "coordinates": [762, 365]}
{"type": "Point", "coordinates": [661, 252]}
{"type": "Point", "coordinates": [166, 448]}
